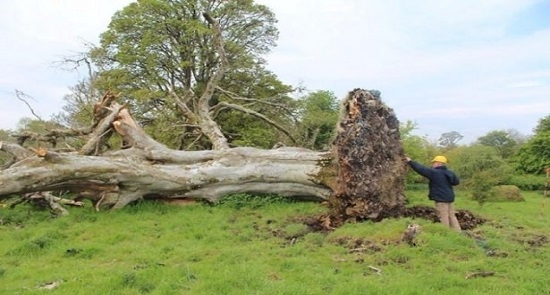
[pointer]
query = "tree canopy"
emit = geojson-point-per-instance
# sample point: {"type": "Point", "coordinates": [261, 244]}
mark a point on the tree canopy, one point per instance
{"type": "Point", "coordinates": [469, 161]}
{"type": "Point", "coordinates": [185, 65]}
{"type": "Point", "coordinates": [501, 140]}
{"type": "Point", "coordinates": [534, 155]}
{"type": "Point", "coordinates": [450, 139]}
{"type": "Point", "coordinates": [318, 114]}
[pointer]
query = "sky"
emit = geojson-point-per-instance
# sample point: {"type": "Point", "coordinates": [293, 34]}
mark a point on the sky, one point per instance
{"type": "Point", "coordinates": [468, 66]}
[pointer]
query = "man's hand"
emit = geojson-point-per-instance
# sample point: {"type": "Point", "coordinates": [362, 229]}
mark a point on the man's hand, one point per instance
{"type": "Point", "coordinates": [407, 159]}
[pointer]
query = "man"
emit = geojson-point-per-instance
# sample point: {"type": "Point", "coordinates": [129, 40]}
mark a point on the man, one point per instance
{"type": "Point", "coordinates": [441, 191]}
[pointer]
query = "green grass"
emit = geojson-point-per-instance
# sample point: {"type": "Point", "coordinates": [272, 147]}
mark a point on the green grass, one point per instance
{"type": "Point", "coordinates": [233, 248]}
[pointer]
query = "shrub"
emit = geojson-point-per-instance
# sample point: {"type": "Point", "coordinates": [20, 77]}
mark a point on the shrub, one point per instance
{"type": "Point", "coordinates": [506, 193]}
{"type": "Point", "coordinates": [528, 182]}
{"type": "Point", "coordinates": [481, 184]}
{"type": "Point", "coordinates": [468, 162]}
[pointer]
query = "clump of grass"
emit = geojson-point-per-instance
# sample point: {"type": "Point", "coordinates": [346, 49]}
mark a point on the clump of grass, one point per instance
{"type": "Point", "coordinates": [140, 281]}
{"type": "Point", "coordinates": [128, 279]}
{"type": "Point", "coordinates": [239, 201]}
{"type": "Point", "coordinates": [294, 230]}
{"type": "Point", "coordinates": [32, 248]}
{"type": "Point", "coordinates": [87, 253]}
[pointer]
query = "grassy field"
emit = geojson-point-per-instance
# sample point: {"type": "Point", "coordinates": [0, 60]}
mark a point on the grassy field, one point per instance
{"type": "Point", "coordinates": [263, 248]}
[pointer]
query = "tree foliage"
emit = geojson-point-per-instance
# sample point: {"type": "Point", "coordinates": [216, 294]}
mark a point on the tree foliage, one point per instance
{"type": "Point", "coordinates": [534, 155]}
{"type": "Point", "coordinates": [501, 140]}
{"type": "Point", "coordinates": [183, 74]}
{"type": "Point", "coordinates": [77, 112]}
{"type": "Point", "coordinates": [472, 163]}
{"type": "Point", "coordinates": [416, 147]}
{"type": "Point", "coordinates": [318, 114]}
{"type": "Point", "coordinates": [482, 184]}
{"type": "Point", "coordinates": [450, 139]}
{"type": "Point", "coordinates": [543, 125]}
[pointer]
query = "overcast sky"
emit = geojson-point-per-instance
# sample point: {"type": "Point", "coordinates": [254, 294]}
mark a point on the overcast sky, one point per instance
{"type": "Point", "coordinates": [469, 66]}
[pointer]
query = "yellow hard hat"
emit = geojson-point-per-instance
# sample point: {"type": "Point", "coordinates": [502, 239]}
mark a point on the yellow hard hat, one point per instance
{"type": "Point", "coordinates": [440, 159]}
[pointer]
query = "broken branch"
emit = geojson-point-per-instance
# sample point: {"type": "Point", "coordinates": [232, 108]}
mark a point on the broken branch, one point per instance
{"type": "Point", "coordinates": [258, 115]}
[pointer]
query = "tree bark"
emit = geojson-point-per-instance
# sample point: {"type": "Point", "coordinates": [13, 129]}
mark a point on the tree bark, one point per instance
{"type": "Point", "coordinates": [362, 175]}
{"type": "Point", "coordinates": [128, 175]}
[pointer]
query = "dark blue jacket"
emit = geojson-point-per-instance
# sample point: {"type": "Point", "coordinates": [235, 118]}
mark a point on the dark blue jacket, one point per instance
{"type": "Point", "coordinates": [441, 179]}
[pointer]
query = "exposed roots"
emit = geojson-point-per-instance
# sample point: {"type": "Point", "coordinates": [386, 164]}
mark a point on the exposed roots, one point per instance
{"type": "Point", "coordinates": [327, 223]}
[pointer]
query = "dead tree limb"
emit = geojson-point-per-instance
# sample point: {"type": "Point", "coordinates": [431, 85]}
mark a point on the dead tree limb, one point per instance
{"type": "Point", "coordinates": [24, 97]}
{"type": "Point", "coordinates": [105, 112]}
{"type": "Point", "coordinates": [52, 137]}
{"type": "Point", "coordinates": [257, 115]}
{"type": "Point", "coordinates": [16, 150]}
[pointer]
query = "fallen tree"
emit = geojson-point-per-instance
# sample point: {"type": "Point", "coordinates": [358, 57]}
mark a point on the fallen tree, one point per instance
{"type": "Point", "coordinates": [361, 176]}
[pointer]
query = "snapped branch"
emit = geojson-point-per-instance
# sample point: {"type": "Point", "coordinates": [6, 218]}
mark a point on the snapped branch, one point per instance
{"type": "Point", "coordinates": [257, 115]}
{"type": "Point", "coordinates": [15, 150]}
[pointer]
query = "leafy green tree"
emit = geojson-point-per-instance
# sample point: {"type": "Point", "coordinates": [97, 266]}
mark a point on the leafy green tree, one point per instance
{"type": "Point", "coordinates": [516, 136]}
{"type": "Point", "coordinates": [318, 115]}
{"type": "Point", "coordinates": [472, 162]}
{"type": "Point", "coordinates": [262, 93]}
{"type": "Point", "coordinates": [501, 140]}
{"type": "Point", "coordinates": [412, 144]}
{"type": "Point", "coordinates": [481, 185]}
{"type": "Point", "coordinates": [185, 66]}
{"type": "Point", "coordinates": [450, 139]}
{"type": "Point", "coordinates": [416, 147]}
{"type": "Point", "coordinates": [534, 155]}
{"type": "Point", "coordinates": [543, 125]}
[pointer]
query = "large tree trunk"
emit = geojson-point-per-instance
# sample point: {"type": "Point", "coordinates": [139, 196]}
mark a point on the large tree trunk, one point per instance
{"type": "Point", "coordinates": [362, 175]}
{"type": "Point", "coordinates": [128, 175]}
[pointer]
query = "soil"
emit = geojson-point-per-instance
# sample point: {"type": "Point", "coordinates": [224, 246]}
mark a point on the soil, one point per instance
{"type": "Point", "coordinates": [467, 219]}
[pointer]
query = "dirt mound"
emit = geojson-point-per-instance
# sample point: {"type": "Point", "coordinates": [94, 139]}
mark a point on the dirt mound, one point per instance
{"type": "Point", "coordinates": [466, 218]}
